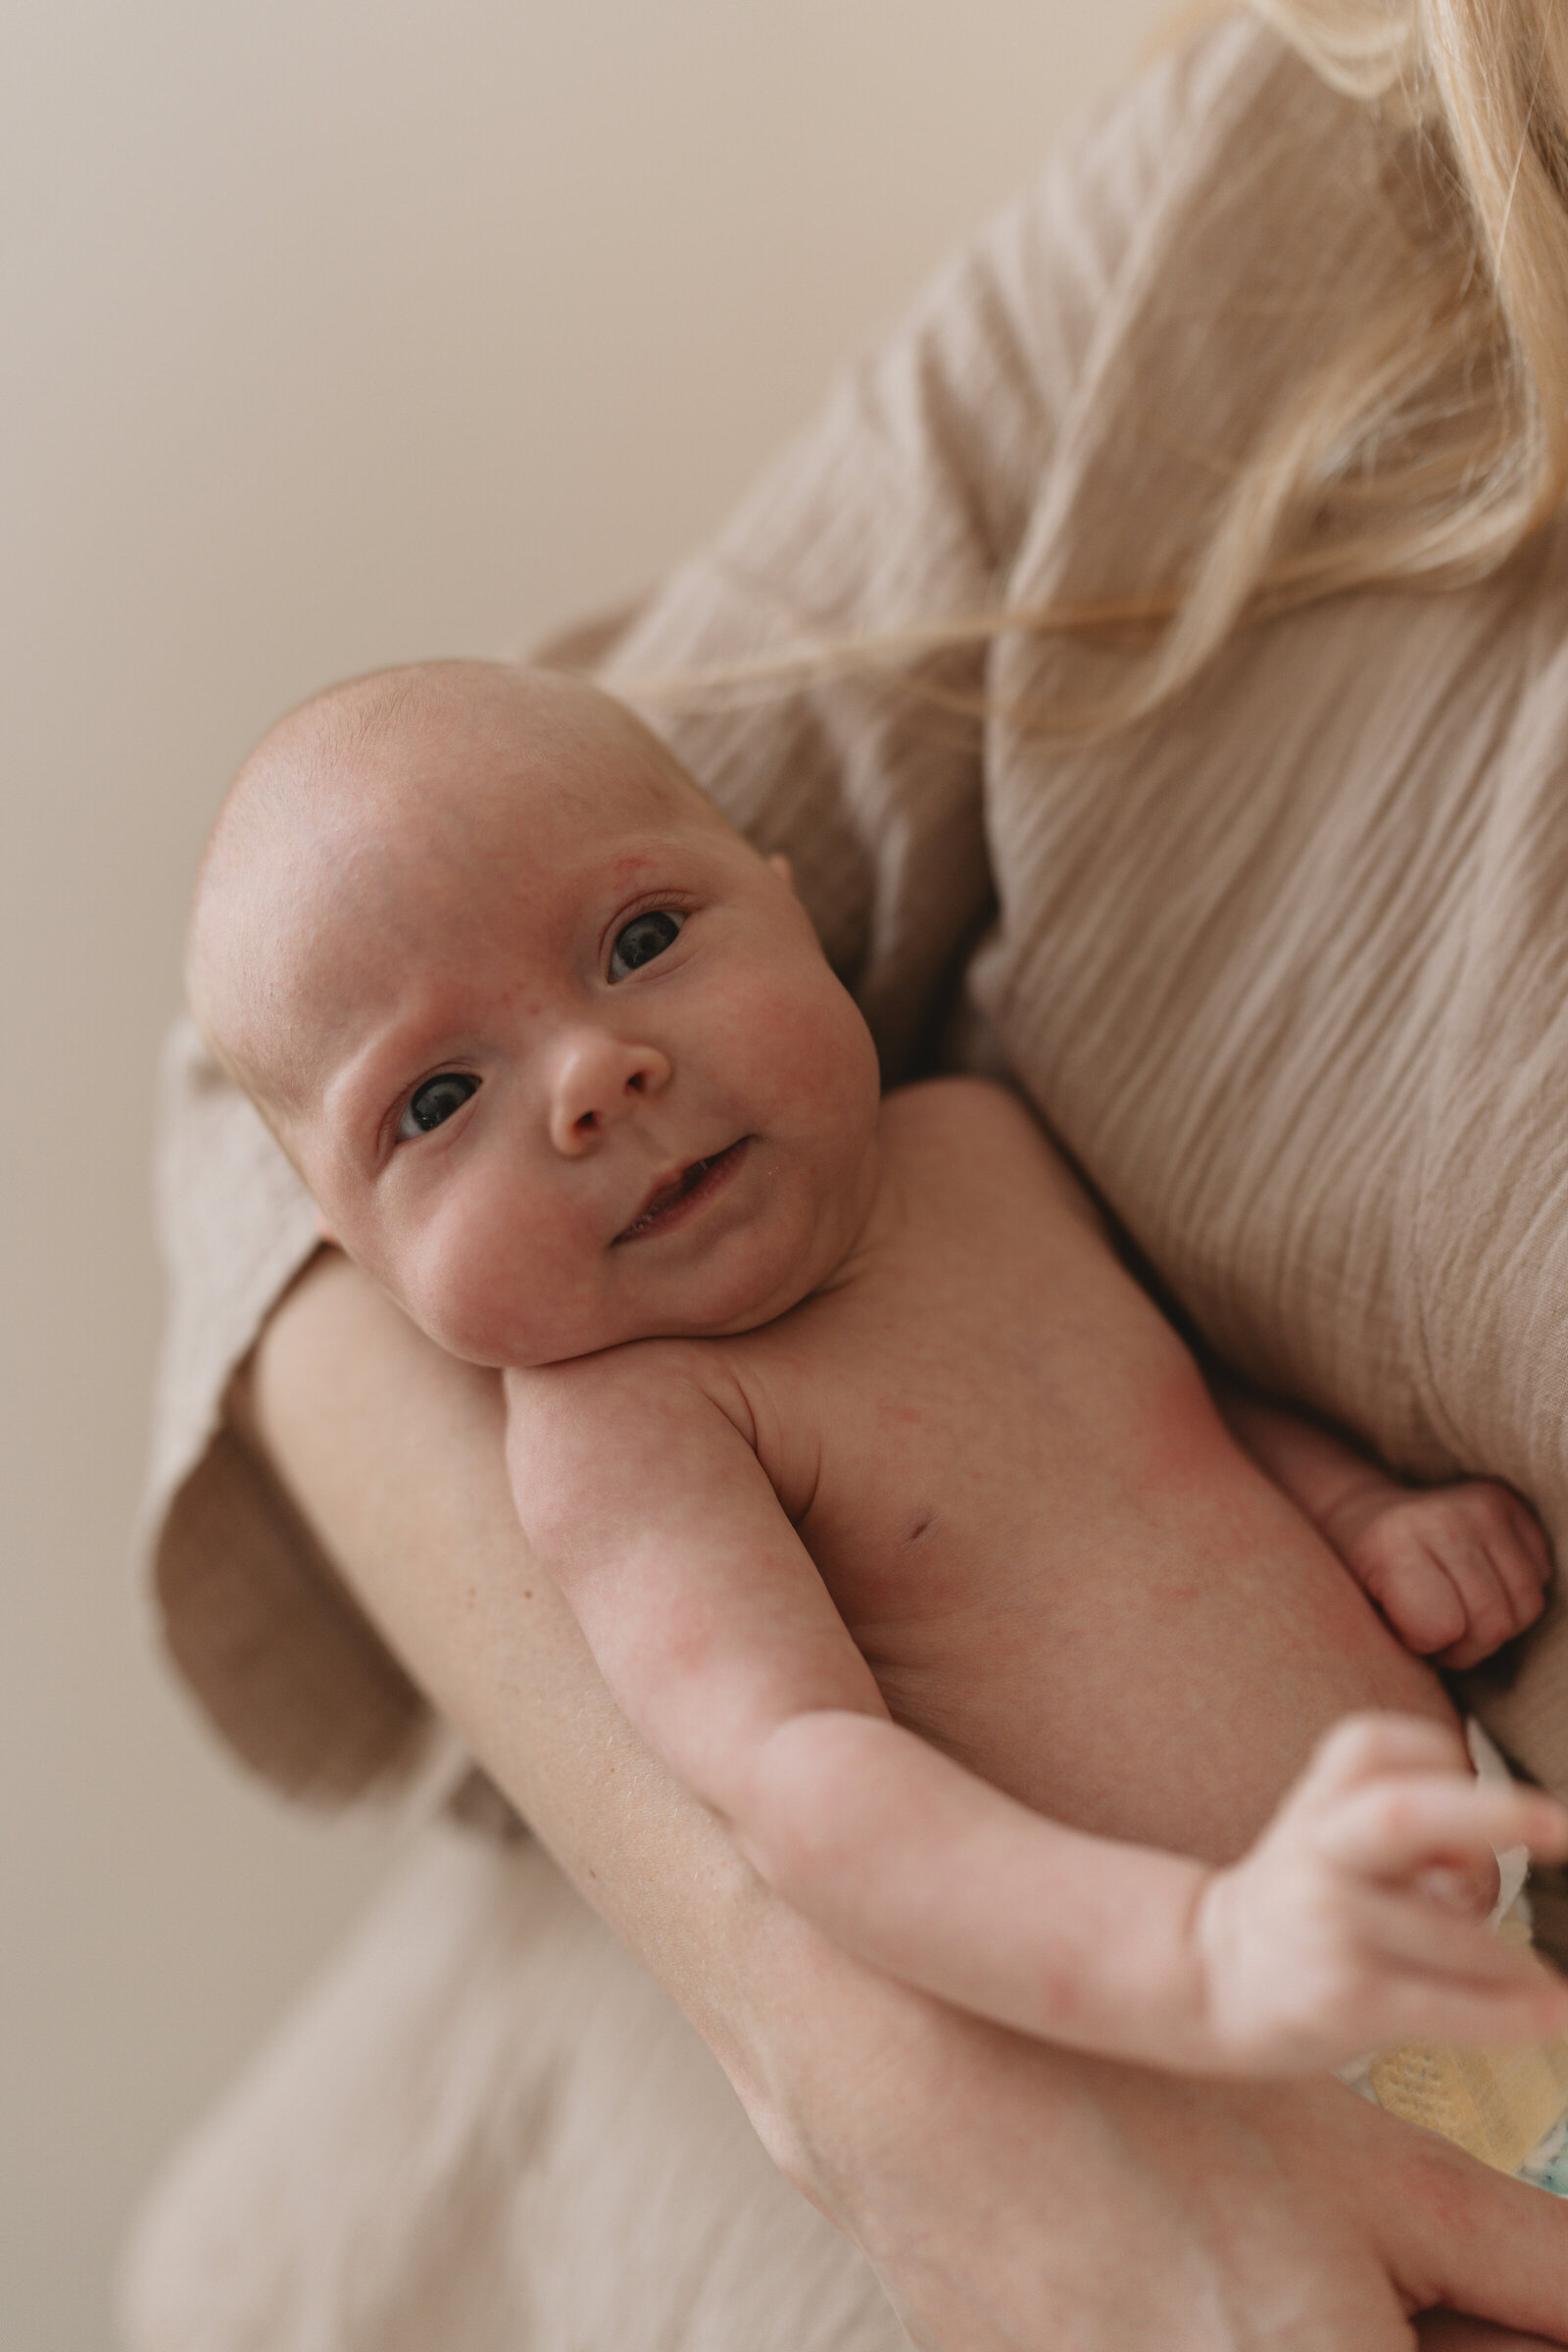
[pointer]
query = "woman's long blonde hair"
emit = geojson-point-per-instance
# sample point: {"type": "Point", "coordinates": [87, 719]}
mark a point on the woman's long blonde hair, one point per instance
{"type": "Point", "coordinates": [1436, 441]}
{"type": "Point", "coordinates": [1421, 453]}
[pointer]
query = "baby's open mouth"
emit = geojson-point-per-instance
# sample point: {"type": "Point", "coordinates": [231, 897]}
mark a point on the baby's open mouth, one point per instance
{"type": "Point", "coordinates": [664, 1207]}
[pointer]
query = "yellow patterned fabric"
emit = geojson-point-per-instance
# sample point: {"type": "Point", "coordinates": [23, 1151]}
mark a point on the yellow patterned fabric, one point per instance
{"type": "Point", "coordinates": [1497, 2105]}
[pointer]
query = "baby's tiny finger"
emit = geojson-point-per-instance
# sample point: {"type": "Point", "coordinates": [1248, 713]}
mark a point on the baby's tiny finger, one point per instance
{"type": "Point", "coordinates": [1427, 2009]}
{"type": "Point", "coordinates": [1523, 1562]}
{"type": "Point", "coordinates": [1469, 1888]}
{"type": "Point", "coordinates": [1405, 1822]}
{"type": "Point", "coordinates": [1411, 1934]}
{"type": "Point", "coordinates": [1491, 1613]}
{"type": "Point", "coordinates": [1420, 1601]}
{"type": "Point", "coordinates": [1497, 1552]}
{"type": "Point", "coordinates": [1361, 1748]}
{"type": "Point", "coordinates": [1531, 1538]}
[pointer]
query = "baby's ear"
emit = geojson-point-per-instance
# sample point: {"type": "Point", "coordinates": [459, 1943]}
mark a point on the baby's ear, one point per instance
{"type": "Point", "coordinates": [324, 1233]}
{"type": "Point", "coordinates": [782, 867]}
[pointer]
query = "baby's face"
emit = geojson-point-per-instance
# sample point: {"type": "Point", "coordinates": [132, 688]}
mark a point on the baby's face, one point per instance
{"type": "Point", "coordinates": [558, 1053]}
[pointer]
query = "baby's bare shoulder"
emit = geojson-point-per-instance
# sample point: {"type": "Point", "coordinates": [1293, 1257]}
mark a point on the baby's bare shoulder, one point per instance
{"type": "Point", "coordinates": [581, 1432]}
{"type": "Point", "coordinates": [645, 1386]}
{"type": "Point", "coordinates": [965, 1111]}
{"type": "Point", "coordinates": [984, 1138]}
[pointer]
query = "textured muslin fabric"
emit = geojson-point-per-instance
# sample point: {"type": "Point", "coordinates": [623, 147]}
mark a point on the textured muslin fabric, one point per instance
{"type": "Point", "coordinates": [487, 2130]}
{"type": "Point", "coordinates": [1282, 967]}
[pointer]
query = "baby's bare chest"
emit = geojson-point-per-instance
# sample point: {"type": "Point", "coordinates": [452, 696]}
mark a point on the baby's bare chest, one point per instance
{"type": "Point", "coordinates": [949, 1466]}
{"type": "Point", "coordinates": [964, 1431]}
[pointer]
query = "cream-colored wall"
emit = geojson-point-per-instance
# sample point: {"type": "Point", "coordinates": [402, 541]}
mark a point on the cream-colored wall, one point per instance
{"type": "Point", "coordinates": [335, 333]}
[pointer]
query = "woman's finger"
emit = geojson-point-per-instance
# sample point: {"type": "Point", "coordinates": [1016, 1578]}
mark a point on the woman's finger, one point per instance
{"type": "Point", "coordinates": [1463, 2237]}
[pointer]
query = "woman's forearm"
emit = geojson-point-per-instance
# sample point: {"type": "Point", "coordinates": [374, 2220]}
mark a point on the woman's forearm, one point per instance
{"type": "Point", "coordinates": [394, 1452]}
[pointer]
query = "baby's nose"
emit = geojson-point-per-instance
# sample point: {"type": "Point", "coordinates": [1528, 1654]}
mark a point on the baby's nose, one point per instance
{"type": "Point", "coordinates": [598, 1080]}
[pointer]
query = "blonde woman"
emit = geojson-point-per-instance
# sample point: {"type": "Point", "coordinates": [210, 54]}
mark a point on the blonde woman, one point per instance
{"type": "Point", "coordinates": [1156, 665]}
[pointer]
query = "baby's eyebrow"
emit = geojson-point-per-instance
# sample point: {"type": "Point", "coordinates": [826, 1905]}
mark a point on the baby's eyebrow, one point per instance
{"type": "Point", "coordinates": [358, 1095]}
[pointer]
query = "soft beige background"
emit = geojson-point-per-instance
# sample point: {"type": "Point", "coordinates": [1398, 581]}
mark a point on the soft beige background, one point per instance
{"type": "Point", "coordinates": [336, 331]}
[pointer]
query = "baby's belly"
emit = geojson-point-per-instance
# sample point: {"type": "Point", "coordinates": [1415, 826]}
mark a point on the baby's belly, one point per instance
{"type": "Point", "coordinates": [1151, 1655]}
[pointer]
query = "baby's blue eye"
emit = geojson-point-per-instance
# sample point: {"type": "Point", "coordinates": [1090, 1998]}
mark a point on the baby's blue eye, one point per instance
{"type": "Point", "coordinates": [642, 938]}
{"type": "Point", "coordinates": [432, 1104]}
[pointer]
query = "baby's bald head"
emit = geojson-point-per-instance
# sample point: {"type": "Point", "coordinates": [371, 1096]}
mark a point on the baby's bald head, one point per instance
{"type": "Point", "coordinates": [373, 795]}
{"type": "Point", "coordinates": [510, 991]}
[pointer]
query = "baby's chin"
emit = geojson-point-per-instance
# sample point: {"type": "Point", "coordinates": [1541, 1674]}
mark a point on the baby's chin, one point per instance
{"type": "Point", "coordinates": [527, 1343]}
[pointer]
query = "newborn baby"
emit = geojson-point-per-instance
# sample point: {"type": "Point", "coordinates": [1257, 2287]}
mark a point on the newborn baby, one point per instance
{"type": "Point", "coordinates": [844, 1430]}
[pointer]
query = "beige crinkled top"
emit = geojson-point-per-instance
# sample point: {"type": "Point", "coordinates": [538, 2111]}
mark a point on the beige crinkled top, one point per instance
{"type": "Point", "coordinates": [1284, 967]}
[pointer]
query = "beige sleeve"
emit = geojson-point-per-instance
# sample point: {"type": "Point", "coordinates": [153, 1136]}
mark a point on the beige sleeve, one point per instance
{"type": "Point", "coordinates": [902, 504]}
{"type": "Point", "coordinates": [254, 1618]}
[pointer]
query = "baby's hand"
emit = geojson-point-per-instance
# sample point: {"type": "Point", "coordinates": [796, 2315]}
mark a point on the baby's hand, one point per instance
{"type": "Point", "coordinates": [1359, 1918]}
{"type": "Point", "coordinates": [1456, 1570]}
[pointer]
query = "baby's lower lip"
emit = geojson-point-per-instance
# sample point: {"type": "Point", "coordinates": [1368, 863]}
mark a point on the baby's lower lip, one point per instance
{"type": "Point", "coordinates": [689, 1192]}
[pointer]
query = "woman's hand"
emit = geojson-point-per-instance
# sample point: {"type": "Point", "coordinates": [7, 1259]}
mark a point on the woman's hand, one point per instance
{"type": "Point", "coordinates": [1017, 2197]}
{"type": "Point", "coordinates": [1014, 2197]}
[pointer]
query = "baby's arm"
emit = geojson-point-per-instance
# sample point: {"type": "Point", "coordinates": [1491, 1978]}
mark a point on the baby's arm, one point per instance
{"type": "Point", "coordinates": [715, 1632]}
{"type": "Point", "coordinates": [1456, 1570]}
